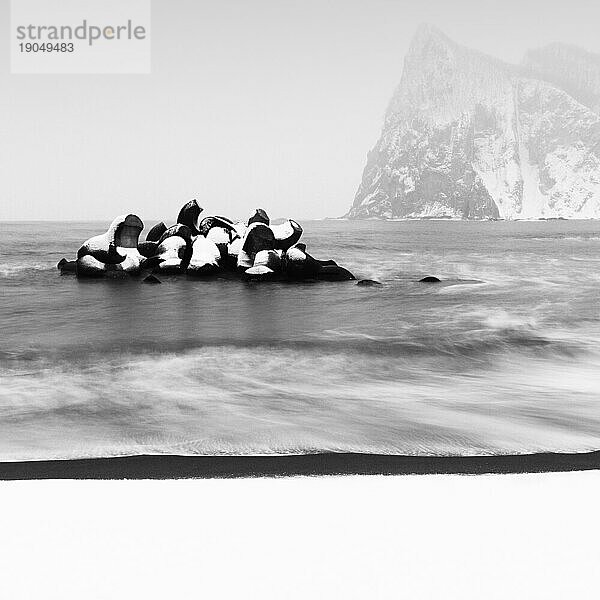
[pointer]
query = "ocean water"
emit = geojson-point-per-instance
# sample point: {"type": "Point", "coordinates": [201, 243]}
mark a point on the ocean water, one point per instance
{"type": "Point", "coordinates": [503, 357]}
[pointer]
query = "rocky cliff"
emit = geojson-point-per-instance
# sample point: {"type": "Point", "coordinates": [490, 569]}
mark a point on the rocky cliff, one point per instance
{"type": "Point", "coordinates": [574, 70]}
{"type": "Point", "coordinates": [468, 136]}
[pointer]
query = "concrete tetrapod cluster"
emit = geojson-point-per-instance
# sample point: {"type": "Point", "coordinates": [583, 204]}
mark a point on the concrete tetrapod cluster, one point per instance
{"type": "Point", "coordinates": [254, 250]}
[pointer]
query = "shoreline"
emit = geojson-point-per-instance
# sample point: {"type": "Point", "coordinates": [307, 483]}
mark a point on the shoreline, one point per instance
{"type": "Point", "coordinates": [328, 464]}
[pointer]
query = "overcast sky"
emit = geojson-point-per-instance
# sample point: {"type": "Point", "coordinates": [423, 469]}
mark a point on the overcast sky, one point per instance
{"type": "Point", "coordinates": [270, 103]}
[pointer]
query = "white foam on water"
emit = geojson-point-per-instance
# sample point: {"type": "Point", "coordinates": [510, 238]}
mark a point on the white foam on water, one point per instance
{"type": "Point", "coordinates": [230, 400]}
{"type": "Point", "coordinates": [502, 320]}
{"type": "Point", "coordinates": [12, 269]}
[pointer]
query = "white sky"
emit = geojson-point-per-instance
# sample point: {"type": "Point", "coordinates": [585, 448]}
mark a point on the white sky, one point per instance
{"type": "Point", "coordinates": [270, 103]}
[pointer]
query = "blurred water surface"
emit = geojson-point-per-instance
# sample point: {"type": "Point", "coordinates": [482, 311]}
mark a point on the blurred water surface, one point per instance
{"type": "Point", "coordinates": [503, 357]}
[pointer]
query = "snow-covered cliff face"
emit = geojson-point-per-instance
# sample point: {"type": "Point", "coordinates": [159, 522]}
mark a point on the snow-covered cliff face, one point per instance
{"type": "Point", "coordinates": [574, 70]}
{"type": "Point", "coordinates": [467, 136]}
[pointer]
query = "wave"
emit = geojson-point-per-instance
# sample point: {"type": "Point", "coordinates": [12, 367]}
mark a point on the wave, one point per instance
{"type": "Point", "coordinates": [585, 259]}
{"type": "Point", "coordinates": [16, 269]}
{"type": "Point", "coordinates": [224, 400]}
{"type": "Point", "coordinates": [459, 286]}
{"type": "Point", "coordinates": [504, 321]}
{"type": "Point", "coordinates": [558, 237]}
{"type": "Point", "coordinates": [497, 335]}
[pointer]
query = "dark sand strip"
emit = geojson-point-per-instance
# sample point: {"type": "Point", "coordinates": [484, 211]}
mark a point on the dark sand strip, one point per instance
{"type": "Point", "coordinates": [204, 467]}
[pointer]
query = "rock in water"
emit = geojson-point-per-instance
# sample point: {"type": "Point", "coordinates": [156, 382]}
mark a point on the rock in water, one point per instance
{"type": "Point", "coordinates": [467, 136]}
{"type": "Point", "coordinates": [267, 264]}
{"type": "Point", "coordinates": [259, 216]}
{"type": "Point", "coordinates": [156, 232]}
{"type": "Point", "coordinates": [209, 223]}
{"type": "Point", "coordinates": [88, 266]}
{"type": "Point", "coordinates": [257, 251]}
{"type": "Point", "coordinates": [368, 283]}
{"type": "Point", "coordinates": [123, 232]}
{"type": "Point", "coordinates": [334, 273]}
{"type": "Point", "coordinates": [117, 248]}
{"type": "Point", "coordinates": [151, 279]}
{"type": "Point", "coordinates": [173, 252]}
{"type": "Point", "coordinates": [108, 255]}
{"type": "Point", "coordinates": [259, 273]}
{"type": "Point", "coordinates": [258, 237]}
{"type": "Point", "coordinates": [179, 230]}
{"type": "Point", "coordinates": [429, 280]}
{"type": "Point", "coordinates": [233, 251]}
{"type": "Point", "coordinates": [286, 234]}
{"type": "Point", "coordinates": [206, 257]}
{"type": "Point", "coordinates": [268, 258]}
{"type": "Point", "coordinates": [133, 261]}
{"type": "Point", "coordinates": [147, 249]}
{"type": "Point", "coordinates": [221, 237]}
{"type": "Point", "coordinates": [299, 265]}
{"type": "Point", "coordinates": [67, 266]}
{"type": "Point", "coordinates": [189, 214]}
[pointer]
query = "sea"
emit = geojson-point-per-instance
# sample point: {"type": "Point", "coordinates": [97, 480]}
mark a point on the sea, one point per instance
{"type": "Point", "coordinates": [501, 357]}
